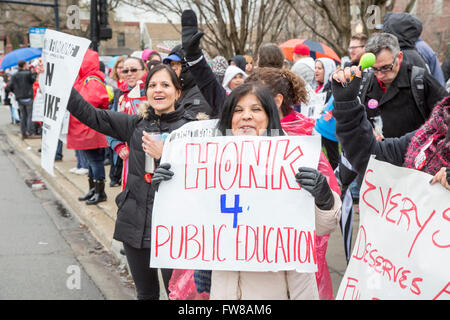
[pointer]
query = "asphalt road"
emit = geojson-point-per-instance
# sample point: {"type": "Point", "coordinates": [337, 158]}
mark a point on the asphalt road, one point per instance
{"type": "Point", "coordinates": [45, 253]}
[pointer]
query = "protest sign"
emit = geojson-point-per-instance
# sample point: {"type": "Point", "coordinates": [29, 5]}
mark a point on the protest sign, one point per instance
{"type": "Point", "coordinates": [233, 203]}
{"type": "Point", "coordinates": [62, 56]}
{"type": "Point", "coordinates": [402, 250]}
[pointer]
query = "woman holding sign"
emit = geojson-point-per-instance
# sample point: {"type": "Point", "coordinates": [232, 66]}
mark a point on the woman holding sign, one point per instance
{"type": "Point", "coordinates": [160, 113]}
{"type": "Point", "coordinates": [250, 110]}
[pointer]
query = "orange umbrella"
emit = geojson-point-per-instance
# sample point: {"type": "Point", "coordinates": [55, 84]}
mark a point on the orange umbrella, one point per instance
{"type": "Point", "coordinates": [318, 49]}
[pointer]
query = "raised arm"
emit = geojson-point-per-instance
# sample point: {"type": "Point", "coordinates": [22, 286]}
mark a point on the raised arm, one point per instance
{"type": "Point", "coordinates": [354, 131]}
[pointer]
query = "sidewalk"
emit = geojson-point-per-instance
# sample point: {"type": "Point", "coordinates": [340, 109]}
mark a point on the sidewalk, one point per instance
{"type": "Point", "coordinates": [100, 218]}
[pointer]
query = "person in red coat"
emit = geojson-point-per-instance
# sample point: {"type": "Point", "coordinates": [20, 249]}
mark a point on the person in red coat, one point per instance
{"type": "Point", "coordinates": [90, 83]}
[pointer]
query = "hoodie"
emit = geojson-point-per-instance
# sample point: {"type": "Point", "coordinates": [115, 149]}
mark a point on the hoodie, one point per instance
{"type": "Point", "coordinates": [407, 28]}
{"type": "Point", "coordinates": [90, 83]}
{"type": "Point", "coordinates": [230, 73]}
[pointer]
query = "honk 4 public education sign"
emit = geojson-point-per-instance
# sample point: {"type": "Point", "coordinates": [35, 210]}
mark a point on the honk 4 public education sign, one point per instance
{"type": "Point", "coordinates": [234, 204]}
{"type": "Point", "coordinates": [402, 250]}
{"type": "Point", "coordinates": [62, 56]}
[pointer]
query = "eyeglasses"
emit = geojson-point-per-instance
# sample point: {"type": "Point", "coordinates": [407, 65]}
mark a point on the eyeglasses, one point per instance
{"type": "Point", "coordinates": [355, 47]}
{"type": "Point", "coordinates": [134, 70]}
{"type": "Point", "coordinates": [386, 68]}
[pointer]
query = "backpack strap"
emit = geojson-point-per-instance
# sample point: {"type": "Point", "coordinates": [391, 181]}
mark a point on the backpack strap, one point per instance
{"type": "Point", "coordinates": [418, 90]}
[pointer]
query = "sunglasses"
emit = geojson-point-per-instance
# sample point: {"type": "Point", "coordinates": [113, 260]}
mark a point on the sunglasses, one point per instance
{"type": "Point", "coordinates": [134, 70]}
{"type": "Point", "coordinates": [386, 68]}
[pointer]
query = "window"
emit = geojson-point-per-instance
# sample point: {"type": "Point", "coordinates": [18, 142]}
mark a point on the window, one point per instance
{"type": "Point", "coordinates": [121, 39]}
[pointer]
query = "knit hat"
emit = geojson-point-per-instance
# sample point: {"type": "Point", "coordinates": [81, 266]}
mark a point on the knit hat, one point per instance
{"type": "Point", "coordinates": [146, 54]}
{"type": "Point", "coordinates": [302, 49]}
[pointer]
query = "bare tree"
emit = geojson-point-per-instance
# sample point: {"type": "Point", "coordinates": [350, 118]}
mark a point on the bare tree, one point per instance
{"type": "Point", "coordinates": [231, 26]}
{"type": "Point", "coordinates": [330, 21]}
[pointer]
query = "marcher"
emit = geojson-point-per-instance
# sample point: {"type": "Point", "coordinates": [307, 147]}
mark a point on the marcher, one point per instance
{"type": "Point", "coordinates": [21, 85]}
{"type": "Point", "coordinates": [238, 61]}
{"type": "Point", "coordinates": [150, 55]}
{"type": "Point", "coordinates": [396, 101]}
{"type": "Point", "coordinates": [356, 48]}
{"type": "Point", "coordinates": [249, 64]}
{"type": "Point", "coordinates": [191, 97]}
{"type": "Point", "coordinates": [219, 65]}
{"type": "Point", "coordinates": [270, 56]}
{"type": "Point", "coordinates": [324, 68]}
{"type": "Point", "coordinates": [90, 85]}
{"type": "Point", "coordinates": [132, 93]}
{"type": "Point", "coordinates": [251, 110]}
{"type": "Point", "coordinates": [426, 149]}
{"type": "Point", "coordinates": [304, 65]}
{"type": "Point", "coordinates": [233, 78]}
{"type": "Point", "coordinates": [135, 203]}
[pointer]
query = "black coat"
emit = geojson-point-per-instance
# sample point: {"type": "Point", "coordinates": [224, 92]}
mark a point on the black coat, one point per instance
{"type": "Point", "coordinates": [354, 132]}
{"type": "Point", "coordinates": [135, 203]}
{"type": "Point", "coordinates": [21, 84]}
{"type": "Point", "coordinates": [397, 106]}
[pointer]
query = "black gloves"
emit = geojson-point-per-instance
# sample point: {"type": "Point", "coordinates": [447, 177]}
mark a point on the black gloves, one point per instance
{"type": "Point", "coordinates": [315, 183]}
{"type": "Point", "coordinates": [347, 93]}
{"type": "Point", "coordinates": [162, 173]}
{"type": "Point", "coordinates": [190, 36]}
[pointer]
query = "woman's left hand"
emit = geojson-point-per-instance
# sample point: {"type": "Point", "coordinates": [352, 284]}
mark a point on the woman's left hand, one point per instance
{"type": "Point", "coordinates": [151, 146]}
{"type": "Point", "coordinates": [443, 177]}
{"type": "Point", "coordinates": [315, 183]}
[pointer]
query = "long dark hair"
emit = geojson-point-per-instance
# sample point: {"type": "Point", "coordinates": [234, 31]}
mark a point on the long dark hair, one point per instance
{"type": "Point", "coordinates": [264, 95]}
{"type": "Point", "coordinates": [173, 76]}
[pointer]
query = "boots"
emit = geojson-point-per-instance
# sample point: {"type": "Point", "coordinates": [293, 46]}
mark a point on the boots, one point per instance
{"type": "Point", "coordinates": [90, 193]}
{"type": "Point", "coordinates": [99, 193]}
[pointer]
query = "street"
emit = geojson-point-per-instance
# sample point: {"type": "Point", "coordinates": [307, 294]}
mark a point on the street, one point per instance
{"type": "Point", "coordinates": [45, 252]}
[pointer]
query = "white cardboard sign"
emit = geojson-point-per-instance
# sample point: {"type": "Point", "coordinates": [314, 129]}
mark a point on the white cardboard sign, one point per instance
{"type": "Point", "coordinates": [402, 250]}
{"type": "Point", "coordinates": [233, 204]}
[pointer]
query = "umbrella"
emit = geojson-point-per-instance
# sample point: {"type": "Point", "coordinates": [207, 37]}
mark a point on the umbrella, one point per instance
{"type": "Point", "coordinates": [318, 49]}
{"type": "Point", "coordinates": [11, 59]}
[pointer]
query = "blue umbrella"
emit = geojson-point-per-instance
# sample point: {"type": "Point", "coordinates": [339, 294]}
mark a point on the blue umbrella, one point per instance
{"type": "Point", "coordinates": [11, 59]}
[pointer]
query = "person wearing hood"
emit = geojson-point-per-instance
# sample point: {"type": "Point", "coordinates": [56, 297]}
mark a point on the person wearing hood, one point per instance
{"type": "Point", "coordinates": [233, 78]}
{"type": "Point", "coordinates": [238, 61]}
{"type": "Point", "coordinates": [324, 68]}
{"type": "Point", "coordinates": [219, 65]}
{"type": "Point", "coordinates": [90, 83]}
{"type": "Point", "coordinates": [408, 28]}
{"type": "Point", "coordinates": [191, 98]}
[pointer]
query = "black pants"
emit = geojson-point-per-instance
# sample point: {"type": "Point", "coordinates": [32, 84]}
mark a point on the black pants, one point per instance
{"type": "Point", "coordinates": [26, 125]}
{"type": "Point", "coordinates": [115, 171]}
{"type": "Point", "coordinates": [145, 278]}
{"type": "Point", "coordinates": [332, 148]}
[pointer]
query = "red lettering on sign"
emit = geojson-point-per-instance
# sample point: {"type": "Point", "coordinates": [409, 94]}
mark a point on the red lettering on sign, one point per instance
{"type": "Point", "coordinates": [447, 218]}
{"type": "Point", "coordinates": [445, 290]}
{"type": "Point", "coordinates": [370, 188]}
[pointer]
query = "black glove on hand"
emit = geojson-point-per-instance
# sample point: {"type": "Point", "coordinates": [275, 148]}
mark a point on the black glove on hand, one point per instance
{"type": "Point", "coordinates": [315, 183]}
{"type": "Point", "coordinates": [162, 173]}
{"type": "Point", "coordinates": [190, 36]}
{"type": "Point", "coordinates": [348, 93]}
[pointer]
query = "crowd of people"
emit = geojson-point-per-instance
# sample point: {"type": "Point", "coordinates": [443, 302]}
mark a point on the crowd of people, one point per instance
{"type": "Point", "coordinates": [391, 110]}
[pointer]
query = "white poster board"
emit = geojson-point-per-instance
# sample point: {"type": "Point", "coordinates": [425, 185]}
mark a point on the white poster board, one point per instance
{"type": "Point", "coordinates": [233, 204]}
{"type": "Point", "coordinates": [62, 56]}
{"type": "Point", "coordinates": [402, 250]}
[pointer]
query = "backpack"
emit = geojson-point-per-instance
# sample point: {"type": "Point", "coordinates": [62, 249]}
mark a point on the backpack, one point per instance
{"type": "Point", "coordinates": [417, 88]}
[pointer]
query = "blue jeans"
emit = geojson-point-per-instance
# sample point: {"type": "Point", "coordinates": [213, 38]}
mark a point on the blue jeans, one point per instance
{"type": "Point", "coordinates": [96, 166]}
{"type": "Point", "coordinates": [81, 159]}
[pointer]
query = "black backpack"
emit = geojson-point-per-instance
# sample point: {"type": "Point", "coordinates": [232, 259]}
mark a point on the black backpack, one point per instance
{"type": "Point", "coordinates": [417, 88]}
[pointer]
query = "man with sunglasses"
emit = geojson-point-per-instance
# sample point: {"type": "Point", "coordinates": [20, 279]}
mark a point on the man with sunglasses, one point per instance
{"type": "Point", "coordinates": [396, 102]}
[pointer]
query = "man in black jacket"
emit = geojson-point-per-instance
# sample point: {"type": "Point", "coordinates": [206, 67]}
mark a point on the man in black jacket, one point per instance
{"type": "Point", "coordinates": [21, 85]}
{"type": "Point", "coordinates": [191, 97]}
{"type": "Point", "coordinates": [388, 93]}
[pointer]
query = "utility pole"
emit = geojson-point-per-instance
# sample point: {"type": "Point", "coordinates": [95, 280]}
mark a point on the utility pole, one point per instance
{"type": "Point", "coordinates": [99, 23]}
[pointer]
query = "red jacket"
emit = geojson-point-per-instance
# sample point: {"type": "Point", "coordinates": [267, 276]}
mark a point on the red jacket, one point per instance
{"type": "Point", "coordinates": [90, 84]}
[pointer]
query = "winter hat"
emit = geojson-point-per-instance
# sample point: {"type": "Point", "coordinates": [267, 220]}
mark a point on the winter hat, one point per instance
{"type": "Point", "coordinates": [239, 61]}
{"type": "Point", "coordinates": [329, 66]}
{"type": "Point", "coordinates": [219, 65]}
{"type": "Point", "coordinates": [146, 54]}
{"type": "Point", "coordinates": [230, 73]}
{"type": "Point", "coordinates": [302, 49]}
